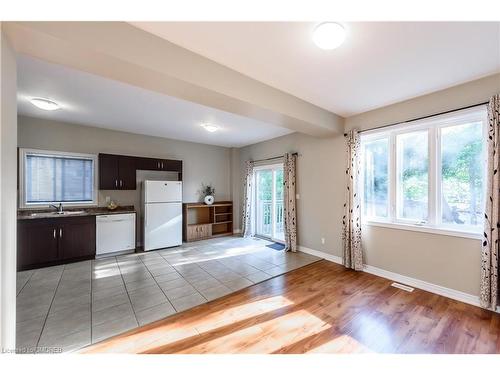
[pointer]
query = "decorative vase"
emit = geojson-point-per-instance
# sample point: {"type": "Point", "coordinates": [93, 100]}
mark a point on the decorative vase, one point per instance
{"type": "Point", "coordinates": [209, 199]}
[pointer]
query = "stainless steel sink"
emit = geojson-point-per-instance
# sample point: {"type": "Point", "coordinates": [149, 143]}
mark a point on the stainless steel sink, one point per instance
{"type": "Point", "coordinates": [56, 214]}
{"type": "Point", "coordinates": [69, 213]}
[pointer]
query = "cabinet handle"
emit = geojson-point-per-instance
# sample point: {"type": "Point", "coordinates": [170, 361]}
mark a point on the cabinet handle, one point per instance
{"type": "Point", "coordinates": [121, 183]}
{"type": "Point", "coordinates": [116, 183]}
{"type": "Point", "coordinates": [54, 234]}
{"type": "Point", "coordinates": [60, 233]}
{"type": "Point", "coordinates": [161, 165]}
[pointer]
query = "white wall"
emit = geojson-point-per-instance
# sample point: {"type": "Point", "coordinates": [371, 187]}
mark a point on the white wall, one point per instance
{"type": "Point", "coordinates": [8, 142]}
{"type": "Point", "coordinates": [320, 179]}
{"type": "Point", "coordinates": [201, 163]}
{"type": "Point", "coordinates": [447, 261]}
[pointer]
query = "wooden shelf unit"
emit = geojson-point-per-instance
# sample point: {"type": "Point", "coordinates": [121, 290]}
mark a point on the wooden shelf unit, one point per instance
{"type": "Point", "coordinates": [201, 221]}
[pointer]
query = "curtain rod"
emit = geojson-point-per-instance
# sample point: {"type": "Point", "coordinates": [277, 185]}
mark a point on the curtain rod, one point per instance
{"type": "Point", "coordinates": [423, 117]}
{"type": "Point", "coordinates": [275, 157]}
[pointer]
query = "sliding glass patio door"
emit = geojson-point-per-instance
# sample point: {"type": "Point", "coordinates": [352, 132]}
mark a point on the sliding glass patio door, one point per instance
{"type": "Point", "coordinates": [269, 202]}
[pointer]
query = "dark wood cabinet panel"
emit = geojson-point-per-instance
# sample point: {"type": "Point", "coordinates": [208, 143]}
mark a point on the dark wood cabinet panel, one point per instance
{"type": "Point", "coordinates": [127, 173]}
{"type": "Point", "coordinates": [149, 164]}
{"type": "Point", "coordinates": [118, 172]}
{"type": "Point", "coordinates": [77, 238]}
{"type": "Point", "coordinates": [37, 243]}
{"type": "Point", "coordinates": [44, 242]}
{"type": "Point", "coordinates": [108, 172]}
{"type": "Point", "coordinates": [172, 165]}
{"type": "Point", "coordinates": [152, 164]}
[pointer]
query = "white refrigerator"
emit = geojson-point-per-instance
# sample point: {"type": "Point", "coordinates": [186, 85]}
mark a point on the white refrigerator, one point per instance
{"type": "Point", "coordinates": [162, 222]}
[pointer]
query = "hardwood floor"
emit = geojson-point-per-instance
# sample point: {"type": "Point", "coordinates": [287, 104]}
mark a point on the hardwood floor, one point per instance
{"type": "Point", "coordinates": [321, 308]}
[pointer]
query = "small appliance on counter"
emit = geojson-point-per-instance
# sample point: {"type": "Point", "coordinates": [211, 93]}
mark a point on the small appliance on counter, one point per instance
{"type": "Point", "coordinates": [162, 214]}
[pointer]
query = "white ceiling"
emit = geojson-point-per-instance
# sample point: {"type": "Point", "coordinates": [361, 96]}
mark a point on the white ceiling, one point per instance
{"type": "Point", "coordinates": [93, 100]}
{"type": "Point", "coordinates": [379, 63]}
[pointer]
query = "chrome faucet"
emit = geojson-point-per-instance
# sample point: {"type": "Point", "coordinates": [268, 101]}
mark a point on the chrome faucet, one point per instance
{"type": "Point", "coordinates": [58, 208]}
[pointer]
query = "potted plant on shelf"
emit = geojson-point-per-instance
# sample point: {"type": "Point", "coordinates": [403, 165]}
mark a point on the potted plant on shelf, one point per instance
{"type": "Point", "coordinates": [208, 192]}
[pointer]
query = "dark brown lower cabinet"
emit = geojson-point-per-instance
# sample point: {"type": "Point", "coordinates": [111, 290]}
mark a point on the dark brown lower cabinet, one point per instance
{"type": "Point", "coordinates": [37, 242]}
{"type": "Point", "coordinates": [44, 242]}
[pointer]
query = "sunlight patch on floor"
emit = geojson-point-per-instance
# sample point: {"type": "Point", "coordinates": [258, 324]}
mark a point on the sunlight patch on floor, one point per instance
{"type": "Point", "coordinates": [239, 313]}
{"type": "Point", "coordinates": [261, 337]}
{"type": "Point", "coordinates": [341, 344]}
{"type": "Point", "coordinates": [216, 255]}
{"type": "Point", "coordinates": [105, 273]}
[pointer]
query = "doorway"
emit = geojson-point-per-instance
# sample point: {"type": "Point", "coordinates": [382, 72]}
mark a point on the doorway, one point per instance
{"type": "Point", "coordinates": [269, 202]}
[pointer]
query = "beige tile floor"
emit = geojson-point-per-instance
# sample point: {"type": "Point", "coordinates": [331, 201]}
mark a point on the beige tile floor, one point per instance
{"type": "Point", "coordinates": [70, 306]}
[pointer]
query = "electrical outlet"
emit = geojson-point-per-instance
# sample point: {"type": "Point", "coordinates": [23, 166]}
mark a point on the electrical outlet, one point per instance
{"type": "Point", "coordinates": [323, 240]}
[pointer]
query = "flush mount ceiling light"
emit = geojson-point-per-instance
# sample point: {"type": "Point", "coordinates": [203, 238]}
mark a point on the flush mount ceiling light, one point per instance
{"type": "Point", "coordinates": [45, 104]}
{"type": "Point", "coordinates": [210, 128]}
{"type": "Point", "coordinates": [329, 35]}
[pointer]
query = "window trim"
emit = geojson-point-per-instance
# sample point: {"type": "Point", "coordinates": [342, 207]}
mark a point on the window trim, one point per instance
{"type": "Point", "coordinates": [431, 124]}
{"type": "Point", "coordinates": [23, 152]}
{"type": "Point", "coordinates": [426, 229]}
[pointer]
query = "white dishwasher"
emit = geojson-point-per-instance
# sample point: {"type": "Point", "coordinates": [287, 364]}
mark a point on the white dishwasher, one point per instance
{"type": "Point", "coordinates": [115, 233]}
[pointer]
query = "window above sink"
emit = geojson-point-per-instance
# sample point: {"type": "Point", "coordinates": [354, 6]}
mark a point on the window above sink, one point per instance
{"type": "Point", "coordinates": [52, 177]}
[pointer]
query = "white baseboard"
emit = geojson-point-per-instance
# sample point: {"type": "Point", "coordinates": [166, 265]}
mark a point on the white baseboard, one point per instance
{"type": "Point", "coordinates": [424, 285]}
{"type": "Point", "coordinates": [236, 231]}
{"type": "Point", "coordinates": [416, 283]}
{"type": "Point", "coordinates": [321, 254]}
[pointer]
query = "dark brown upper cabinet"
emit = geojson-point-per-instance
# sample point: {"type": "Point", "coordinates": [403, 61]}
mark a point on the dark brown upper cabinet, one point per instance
{"type": "Point", "coordinates": [118, 172]}
{"type": "Point", "coordinates": [126, 172]}
{"type": "Point", "coordinates": [152, 164]}
{"type": "Point", "coordinates": [108, 172]}
{"type": "Point", "coordinates": [149, 164]}
{"type": "Point", "coordinates": [172, 165]}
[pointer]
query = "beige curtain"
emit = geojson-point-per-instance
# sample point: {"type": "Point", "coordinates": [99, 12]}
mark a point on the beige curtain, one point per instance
{"type": "Point", "coordinates": [246, 219]}
{"type": "Point", "coordinates": [352, 256]}
{"type": "Point", "coordinates": [289, 206]}
{"type": "Point", "coordinates": [489, 255]}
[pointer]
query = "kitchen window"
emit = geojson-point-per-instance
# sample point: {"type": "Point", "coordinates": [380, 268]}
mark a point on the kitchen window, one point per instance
{"type": "Point", "coordinates": [53, 177]}
{"type": "Point", "coordinates": [427, 175]}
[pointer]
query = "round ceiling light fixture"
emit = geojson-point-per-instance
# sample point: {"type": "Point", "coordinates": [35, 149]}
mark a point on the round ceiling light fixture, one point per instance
{"type": "Point", "coordinates": [329, 35]}
{"type": "Point", "coordinates": [210, 128]}
{"type": "Point", "coordinates": [45, 104]}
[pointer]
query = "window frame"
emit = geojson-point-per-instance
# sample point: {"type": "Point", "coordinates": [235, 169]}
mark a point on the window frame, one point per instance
{"type": "Point", "coordinates": [24, 152]}
{"type": "Point", "coordinates": [433, 125]}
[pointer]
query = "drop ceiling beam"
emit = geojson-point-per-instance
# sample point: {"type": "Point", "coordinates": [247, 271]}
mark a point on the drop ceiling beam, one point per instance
{"type": "Point", "coordinates": [121, 52]}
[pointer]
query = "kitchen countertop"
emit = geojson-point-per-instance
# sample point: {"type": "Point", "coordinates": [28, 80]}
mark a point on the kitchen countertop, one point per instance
{"type": "Point", "coordinates": [90, 211]}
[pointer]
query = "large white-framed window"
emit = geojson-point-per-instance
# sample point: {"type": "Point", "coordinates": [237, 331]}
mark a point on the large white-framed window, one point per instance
{"type": "Point", "coordinates": [427, 175]}
{"type": "Point", "coordinates": [53, 177]}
